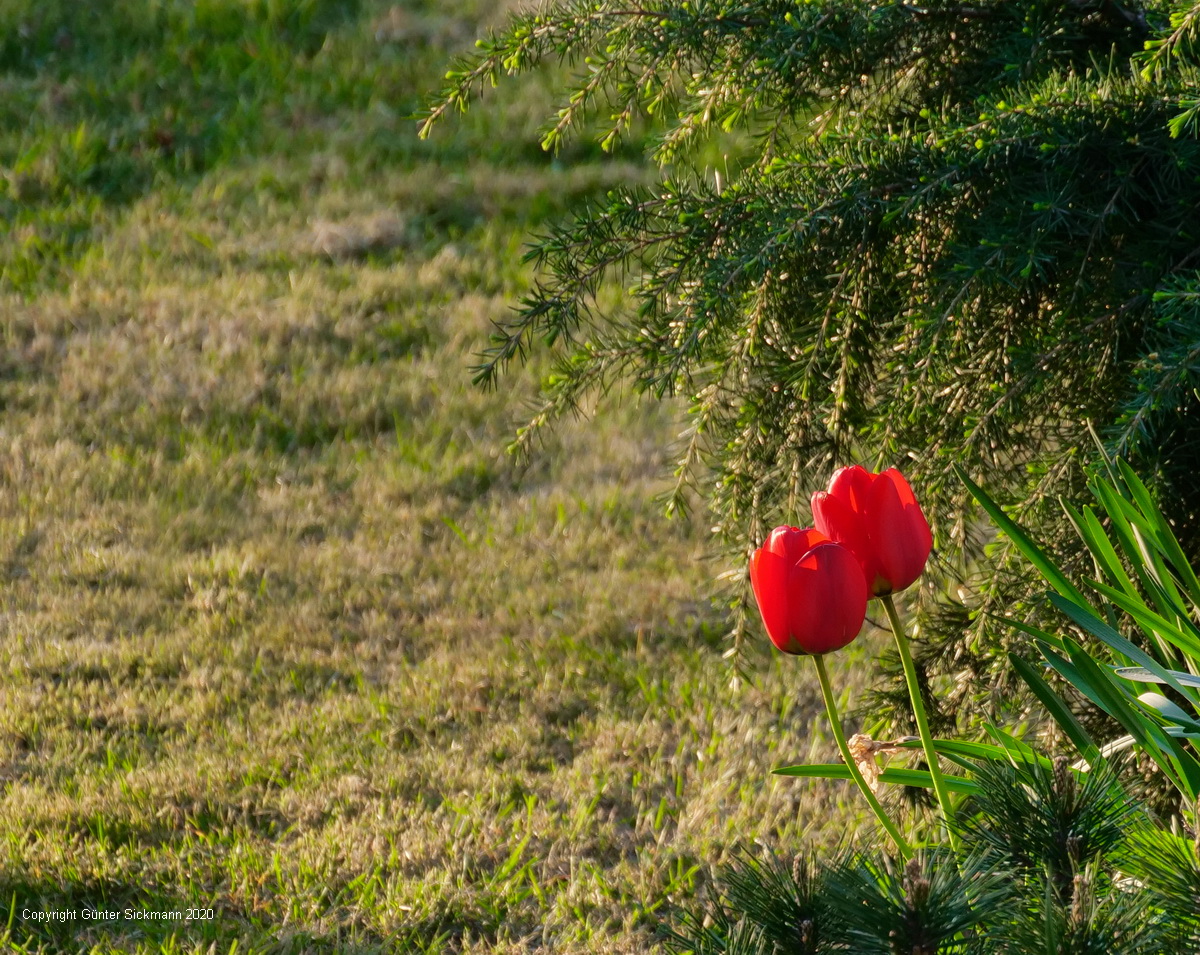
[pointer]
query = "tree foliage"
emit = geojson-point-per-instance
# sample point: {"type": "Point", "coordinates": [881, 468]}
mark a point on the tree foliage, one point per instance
{"type": "Point", "coordinates": [961, 232]}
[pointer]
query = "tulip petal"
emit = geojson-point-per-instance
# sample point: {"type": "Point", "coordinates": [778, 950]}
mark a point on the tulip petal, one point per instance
{"type": "Point", "coordinates": [852, 486]}
{"type": "Point", "coordinates": [898, 530]}
{"type": "Point", "coordinates": [769, 580]}
{"type": "Point", "coordinates": [827, 600]}
{"type": "Point", "coordinates": [792, 543]}
{"type": "Point", "coordinates": [838, 521]}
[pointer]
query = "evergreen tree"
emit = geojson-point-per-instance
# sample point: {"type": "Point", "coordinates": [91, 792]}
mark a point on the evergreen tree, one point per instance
{"type": "Point", "coordinates": [963, 231]}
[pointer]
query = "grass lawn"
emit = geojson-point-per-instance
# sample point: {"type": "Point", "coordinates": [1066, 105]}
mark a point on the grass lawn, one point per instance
{"type": "Point", "coordinates": [288, 638]}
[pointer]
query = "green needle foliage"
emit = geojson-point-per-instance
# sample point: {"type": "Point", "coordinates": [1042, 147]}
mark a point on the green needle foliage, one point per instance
{"type": "Point", "coordinates": [1169, 865]}
{"type": "Point", "coordinates": [1044, 868]}
{"type": "Point", "coordinates": [930, 906]}
{"type": "Point", "coordinates": [765, 903]}
{"type": "Point", "coordinates": [794, 909]}
{"type": "Point", "coordinates": [1046, 821]}
{"type": "Point", "coordinates": [946, 232]}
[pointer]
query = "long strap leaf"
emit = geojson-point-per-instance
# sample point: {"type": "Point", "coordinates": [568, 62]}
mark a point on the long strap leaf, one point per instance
{"type": "Point", "coordinates": [1098, 628]}
{"type": "Point", "coordinates": [1177, 763]}
{"type": "Point", "coordinates": [1024, 543]}
{"type": "Point", "coordinates": [896, 777]}
{"type": "Point", "coordinates": [1057, 708]}
{"type": "Point", "coordinates": [1164, 534]}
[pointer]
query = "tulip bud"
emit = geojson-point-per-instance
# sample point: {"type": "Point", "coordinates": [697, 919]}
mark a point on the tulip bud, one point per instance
{"type": "Point", "coordinates": [810, 591]}
{"type": "Point", "coordinates": [839, 522]}
{"type": "Point", "coordinates": [876, 517]}
{"type": "Point", "coordinates": [898, 530]}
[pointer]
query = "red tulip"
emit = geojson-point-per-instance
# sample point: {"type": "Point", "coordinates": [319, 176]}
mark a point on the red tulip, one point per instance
{"type": "Point", "coordinates": [810, 591]}
{"type": "Point", "coordinates": [877, 518]}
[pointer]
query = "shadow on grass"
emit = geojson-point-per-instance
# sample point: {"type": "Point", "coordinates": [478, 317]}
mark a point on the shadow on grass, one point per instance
{"type": "Point", "coordinates": [104, 101]}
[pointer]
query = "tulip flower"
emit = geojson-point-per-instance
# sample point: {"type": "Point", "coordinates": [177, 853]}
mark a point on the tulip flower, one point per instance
{"type": "Point", "coordinates": [813, 598]}
{"type": "Point", "coordinates": [877, 518]}
{"type": "Point", "coordinates": [810, 591]}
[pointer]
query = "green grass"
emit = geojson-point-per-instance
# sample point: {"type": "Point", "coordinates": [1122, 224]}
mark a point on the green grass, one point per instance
{"type": "Point", "coordinates": [285, 632]}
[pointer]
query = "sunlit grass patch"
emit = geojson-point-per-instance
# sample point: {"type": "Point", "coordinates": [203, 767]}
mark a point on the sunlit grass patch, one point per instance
{"type": "Point", "coordinates": [284, 631]}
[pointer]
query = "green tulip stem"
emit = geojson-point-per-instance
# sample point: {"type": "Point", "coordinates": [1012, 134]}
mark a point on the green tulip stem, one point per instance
{"type": "Point", "coordinates": [914, 692]}
{"type": "Point", "coordinates": [855, 772]}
